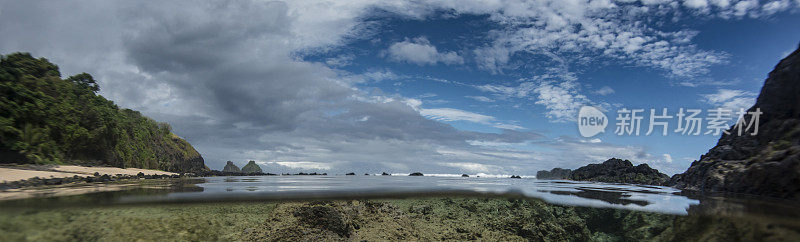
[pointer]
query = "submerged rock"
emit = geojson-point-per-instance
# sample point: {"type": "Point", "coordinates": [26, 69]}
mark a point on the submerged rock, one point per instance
{"type": "Point", "coordinates": [230, 167]}
{"type": "Point", "coordinates": [554, 174]}
{"type": "Point", "coordinates": [765, 164]}
{"type": "Point", "coordinates": [516, 177]}
{"type": "Point", "coordinates": [416, 174]}
{"type": "Point", "coordinates": [385, 174]}
{"type": "Point", "coordinates": [350, 174]}
{"type": "Point", "coordinates": [464, 175]}
{"type": "Point", "coordinates": [619, 171]}
{"type": "Point", "coordinates": [251, 168]}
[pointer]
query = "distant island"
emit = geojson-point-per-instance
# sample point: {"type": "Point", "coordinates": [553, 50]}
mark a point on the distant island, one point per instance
{"type": "Point", "coordinates": [612, 170]}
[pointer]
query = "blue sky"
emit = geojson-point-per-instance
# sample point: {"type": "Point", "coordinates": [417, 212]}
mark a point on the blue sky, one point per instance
{"type": "Point", "coordinates": [439, 87]}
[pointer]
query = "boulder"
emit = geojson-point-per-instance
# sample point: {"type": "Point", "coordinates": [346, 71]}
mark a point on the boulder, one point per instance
{"type": "Point", "coordinates": [416, 174]}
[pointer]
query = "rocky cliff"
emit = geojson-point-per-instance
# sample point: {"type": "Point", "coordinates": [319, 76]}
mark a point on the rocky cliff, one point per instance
{"type": "Point", "coordinates": [766, 164]}
{"type": "Point", "coordinates": [230, 167]}
{"type": "Point", "coordinates": [251, 168]}
{"type": "Point", "coordinates": [619, 171]}
{"type": "Point", "coordinates": [554, 174]}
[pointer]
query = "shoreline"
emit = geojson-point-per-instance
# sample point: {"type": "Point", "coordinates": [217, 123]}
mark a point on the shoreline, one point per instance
{"type": "Point", "coordinates": [16, 173]}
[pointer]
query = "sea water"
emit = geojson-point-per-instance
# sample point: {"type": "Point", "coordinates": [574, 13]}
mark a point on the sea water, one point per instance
{"type": "Point", "coordinates": [698, 210]}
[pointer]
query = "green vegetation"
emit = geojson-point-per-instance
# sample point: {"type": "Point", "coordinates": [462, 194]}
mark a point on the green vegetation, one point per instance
{"type": "Point", "coordinates": [45, 119]}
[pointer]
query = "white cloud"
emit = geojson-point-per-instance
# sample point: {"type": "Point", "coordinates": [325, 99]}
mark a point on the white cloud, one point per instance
{"type": "Point", "coordinates": [420, 51]}
{"type": "Point", "coordinates": [481, 98]}
{"type": "Point", "coordinates": [696, 4]}
{"type": "Point", "coordinates": [561, 99]}
{"type": "Point", "coordinates": [667, 158]}
{"type": "Point", "coordinates": [473, 167]}
{"type": "Point", "coordinates": [605, 90]}
{"type": "Point", "coordinates": [306, 165]}
{"type": "Point", "coordinates": [730, 99]}
{"type": "Point", "coordinates": [341, 60]}
{"type": "Point", "coordinates": [451, 114]}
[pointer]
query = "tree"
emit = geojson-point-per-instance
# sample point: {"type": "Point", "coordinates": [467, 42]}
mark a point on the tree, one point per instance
{"type": "Point", "coordinates": [85, 80]}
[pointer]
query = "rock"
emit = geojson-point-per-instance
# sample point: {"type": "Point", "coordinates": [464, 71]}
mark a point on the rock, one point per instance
{"type": "Point", "coordinates": [464, 175]}
{"type": "Point", "coordinates": [416, 174]}
{"type": "Point", "coordinates": [326, 218]}
{"type": "Point", "coordinates": [351, 174]}
{"type": "Point", "coordinates": [516, 177]}
{"type": "Point", "coordinates": [140, 174]}
{"type": "Point", "coordinates": [251, 168]}
{"type": "Point", "coordinates": [766, 164]}
{"type": "Point", "coordinates": [366, 174]}
{"type": "Point", "coordinates": [619, 171]}
{"type": "Point", "coordinates": [385, 174]}
{"type": "Point", "coordinates": [230, 167]}
{"type": "Point", "coordinates": [554, 174]}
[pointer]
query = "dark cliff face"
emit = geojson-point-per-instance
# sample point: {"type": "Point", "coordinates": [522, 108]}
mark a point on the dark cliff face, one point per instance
{"type": "Point", "coordinates": [251, 167]}
{"type": "Point", "coordinates": [554, 174]}
{"type": "Point", "coordinates": [230, 167]}
{"type": "Point", "coordinates": [619, 171]}
{"type": "Point", "coordinates": [766, 164]}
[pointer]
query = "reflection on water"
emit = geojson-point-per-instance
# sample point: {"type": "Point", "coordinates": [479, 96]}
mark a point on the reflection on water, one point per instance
{"type": "Point", "coordinates": [637, 197]}
{"type": "Point", "coordinates": [588, 194]}
{"type": "Point", "coordinates": [284, 207]}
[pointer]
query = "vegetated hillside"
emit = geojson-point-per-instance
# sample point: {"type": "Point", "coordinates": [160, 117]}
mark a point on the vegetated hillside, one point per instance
{"type": "Point", "coordinates": [46, 119]}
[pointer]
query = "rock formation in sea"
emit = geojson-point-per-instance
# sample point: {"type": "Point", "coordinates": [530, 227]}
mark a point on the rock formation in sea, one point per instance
{"type": "Point", "coordinates": [554, 174]}
{"type": "Point", "coordinates": [622, 171]}
{"type": "Point", "coordinates": [416, 174]}
{"type": "Point", "coordinates": [230, 167]}
{"type": "Point", "coordinates": [251, 168]}
{"type": "Point", "coordinates": [765, 164]}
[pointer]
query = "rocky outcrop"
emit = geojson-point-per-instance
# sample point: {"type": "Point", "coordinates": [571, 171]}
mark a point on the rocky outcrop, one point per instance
{"type": "Point", "coordinates": [765, 164]}
{"type": "Point", "coordinates": [619, 171]}
{"type": "Point", "coordinates": [416, 174]}
{"type": "Point", "coordinates": [230, 167]}
{"type": "Point", "coordinates": [251, 168]}
{"type": "Point", "coordinates": [554, 174]}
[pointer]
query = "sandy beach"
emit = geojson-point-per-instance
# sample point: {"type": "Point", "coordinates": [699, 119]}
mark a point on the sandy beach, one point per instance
{"type": "Point", "coordinates": [12, 173]}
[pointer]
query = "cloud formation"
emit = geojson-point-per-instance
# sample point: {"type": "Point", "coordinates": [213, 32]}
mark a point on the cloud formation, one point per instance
{"type": "Point", "coordinates": [231, 76]}
{"type": "Point", "coordinates": [420, 51]}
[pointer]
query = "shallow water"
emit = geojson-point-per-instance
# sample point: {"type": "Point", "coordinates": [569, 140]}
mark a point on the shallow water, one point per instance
{"type": "Point", "coordinates": [658, 199]}
{"type": "Point", "coordinates": [236, 208]}
{"type": "Point", "coordinates": [637, 197]}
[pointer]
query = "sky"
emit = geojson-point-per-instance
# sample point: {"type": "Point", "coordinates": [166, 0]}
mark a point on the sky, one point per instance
{"type": "Point", "coordinates": [440, 86]}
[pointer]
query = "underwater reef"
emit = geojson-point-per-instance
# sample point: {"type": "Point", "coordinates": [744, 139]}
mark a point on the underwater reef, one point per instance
{"type": "Point", "coordinates": [430, 218]}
